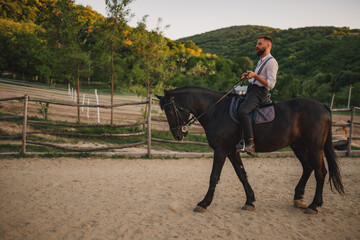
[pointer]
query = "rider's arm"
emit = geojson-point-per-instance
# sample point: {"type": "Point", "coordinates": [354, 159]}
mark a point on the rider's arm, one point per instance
{"type": "Point", "coordinates": [271, 70]}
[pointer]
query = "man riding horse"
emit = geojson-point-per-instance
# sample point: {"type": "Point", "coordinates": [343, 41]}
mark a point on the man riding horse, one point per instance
{"type": "Point", "coordinates": [301, 123]}
{"type": "Point", "coordinates": [260, 82]}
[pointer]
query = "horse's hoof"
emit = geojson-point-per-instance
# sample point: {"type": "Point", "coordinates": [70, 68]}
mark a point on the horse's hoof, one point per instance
{"type": "Point", "coordinates": [248, 208]}
{"type": "Point", "coordinates": [199, 209]}
{"type": "Point", "coordinates": [299, 204]}
{"type": "Point", "coordinates": [311, 211]}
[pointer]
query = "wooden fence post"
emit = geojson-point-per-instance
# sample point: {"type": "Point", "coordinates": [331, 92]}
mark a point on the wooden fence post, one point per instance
{"type": "Point", "coordinates": [149, 129]}
{"type": "Point", "coordinates": [332, 101]}
{"type": "Point", "coordinates": [23, 149]}
{"type": "Point", "coordinates": [351, 130]}
{"type": "Point", "coordinates": [97, 103]}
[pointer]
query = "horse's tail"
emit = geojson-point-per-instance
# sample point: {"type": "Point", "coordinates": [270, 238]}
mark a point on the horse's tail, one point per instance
{"type": "Point", "coordinates": [331, 157]}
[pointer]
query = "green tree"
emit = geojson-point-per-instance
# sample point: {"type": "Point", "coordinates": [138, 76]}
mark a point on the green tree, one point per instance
{"type": "Point", "coordinates": [153, 64]}
{"type": "Point", "coordinates": [115, 36]}
{"type": "Point", "coordinates": [23, 50]}
{"type": "Point", "coordinates": [67, 39]}
{"type": "Point", "coordinates": [19, 10]}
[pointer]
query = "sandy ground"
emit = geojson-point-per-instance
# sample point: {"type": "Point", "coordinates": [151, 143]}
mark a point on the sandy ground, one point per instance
{"type": "Point", "coordinates": [68, 198]}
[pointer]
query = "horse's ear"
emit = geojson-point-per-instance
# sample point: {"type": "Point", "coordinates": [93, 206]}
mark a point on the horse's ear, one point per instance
{"type": "Point", "coordinates": [167, 94]}
{"type": "Point", "coordinates": [161, 101]}
{"type": "Point", "coordinates": [159, 97]}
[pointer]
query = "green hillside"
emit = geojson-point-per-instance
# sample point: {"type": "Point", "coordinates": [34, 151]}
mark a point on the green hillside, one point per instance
{"type": "Point", "coordinates": [313, 61]}
{"type": "Point", "coordinates": [231, 41]}
{"type": "Point", "coordinates": [60, 42]}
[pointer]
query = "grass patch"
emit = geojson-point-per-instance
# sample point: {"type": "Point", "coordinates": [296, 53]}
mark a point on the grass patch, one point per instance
{"type": "Point", "coordinates": [17, 121]}
{"type": "Point", "coordinates": [29, 148]}
{"type": "Point", "coordinates": [348, 113]}
{"type": "Point", "coordinates": [180, 147]}
{"type": "Point", "coordinates": [355, 148]}
{"type": "Point", "coordinates": [285, 149]}
{"type": "Point", "coordinates": [4, 133]}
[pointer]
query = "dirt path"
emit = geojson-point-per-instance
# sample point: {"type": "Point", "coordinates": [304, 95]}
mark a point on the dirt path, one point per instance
{"type": "Point", "coordinates": [94, 198]}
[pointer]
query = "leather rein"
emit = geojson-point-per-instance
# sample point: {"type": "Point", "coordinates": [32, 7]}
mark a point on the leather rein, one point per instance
{"type": "Point", "coordinates": [183, 125]}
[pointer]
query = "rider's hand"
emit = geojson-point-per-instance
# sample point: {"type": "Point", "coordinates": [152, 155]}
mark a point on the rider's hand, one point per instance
{"type": "Point", "coordinates": [251, 74]}
{"type": "Point", "coordinates": [244, 75]}
{"type": "Point", "coordinates": [247, 75]}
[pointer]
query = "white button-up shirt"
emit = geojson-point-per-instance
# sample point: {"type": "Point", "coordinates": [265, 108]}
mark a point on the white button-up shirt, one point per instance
{"type": "Point", "coordinates": [269, 72]}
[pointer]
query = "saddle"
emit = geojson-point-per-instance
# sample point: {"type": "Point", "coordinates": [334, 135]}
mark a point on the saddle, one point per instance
{"type": "Point", "coordinates": [264, 113]}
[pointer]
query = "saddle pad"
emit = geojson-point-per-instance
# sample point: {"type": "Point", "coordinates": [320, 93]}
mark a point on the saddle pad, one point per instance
{"type": "Point", "coordinates": [263, 115]}
{"type": "Point", "coordinates": [259, 115]}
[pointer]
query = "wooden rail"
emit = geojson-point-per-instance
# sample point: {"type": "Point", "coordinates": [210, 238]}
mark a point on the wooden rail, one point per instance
{"type": "Point", "coordinates": [89, 135]}
{"type": "Point", "coordinates": [10, 137]}
{"type": "Point", "coordinates": [86, 125]}
{"type": "Point", "coordinates": [85, 105]}
{"type": "Point", "coordinates": [86, 149]}
{"type": "Point", "coordinates": [10, 117]}
{"type": "Point", "coordinates": [351, 125]}
{"type": "Point", "coordinates": [179, 142]}
{"type": "Point", "coordinates": [11, 98]}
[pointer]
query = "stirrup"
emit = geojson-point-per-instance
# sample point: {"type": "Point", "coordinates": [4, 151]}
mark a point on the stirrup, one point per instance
{"type": "Point", "coordinates": [242, 142]}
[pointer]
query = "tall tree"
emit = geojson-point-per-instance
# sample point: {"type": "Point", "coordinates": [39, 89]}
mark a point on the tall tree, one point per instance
{"type": "Point", "coordinates": [154, 64]}
{"type": "Point", "coordinates": [65, 34]}
{"type": "Point", "coordinates": [115, 35]}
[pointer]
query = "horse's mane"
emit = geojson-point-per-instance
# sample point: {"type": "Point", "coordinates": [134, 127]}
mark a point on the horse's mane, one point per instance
{"type": "Point", "coordinates": [196, 89]}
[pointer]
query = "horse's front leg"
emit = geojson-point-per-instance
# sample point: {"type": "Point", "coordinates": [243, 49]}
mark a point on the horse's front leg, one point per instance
{"type": "Point", "coordinates": [218, 163]}
{"type": "Point", "coordinates": [240, 171]}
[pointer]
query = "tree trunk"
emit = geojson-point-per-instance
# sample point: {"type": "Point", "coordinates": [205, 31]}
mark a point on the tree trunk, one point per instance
{"type": "Point", "coordinates": [78, 92]}
{"type": "Point", "coordinates": [112, 84]}
{"type": "Point", "coordinates": [147, 97]}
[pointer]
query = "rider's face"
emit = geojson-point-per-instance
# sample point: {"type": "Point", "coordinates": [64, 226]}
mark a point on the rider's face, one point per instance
{"type": "Point", "coordinates": [261, 46]}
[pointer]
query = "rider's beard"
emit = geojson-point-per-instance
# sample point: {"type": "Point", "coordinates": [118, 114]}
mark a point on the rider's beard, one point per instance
{"type": "Point", "coordinates": [259, 52]}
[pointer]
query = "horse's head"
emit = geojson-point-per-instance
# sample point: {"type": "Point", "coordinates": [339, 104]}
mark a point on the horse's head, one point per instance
{"type": "Point", "coordinates": [176, 115]}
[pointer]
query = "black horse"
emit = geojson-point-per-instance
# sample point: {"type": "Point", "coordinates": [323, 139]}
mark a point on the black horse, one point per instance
{"type": "Point", "coordinates": [304, 124]}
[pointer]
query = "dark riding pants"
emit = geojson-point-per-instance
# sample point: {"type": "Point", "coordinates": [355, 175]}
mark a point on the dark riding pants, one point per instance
{"type": "Point", "coordinates": [255, 95]}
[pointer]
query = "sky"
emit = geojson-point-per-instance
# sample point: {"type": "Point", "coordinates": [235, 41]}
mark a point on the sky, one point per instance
{"type": "Point", "coordinates": [190, 17]}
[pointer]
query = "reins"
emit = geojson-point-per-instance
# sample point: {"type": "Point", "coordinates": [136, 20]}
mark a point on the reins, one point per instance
{"type": "Point", "coordinates": [193, 119]}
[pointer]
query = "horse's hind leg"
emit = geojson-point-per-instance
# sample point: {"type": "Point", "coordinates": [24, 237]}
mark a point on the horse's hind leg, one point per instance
{"type": "Point", "coordinates": [301, 154]}
{"type": "Point", "coordinates": [240, 171]}
{"type": "Point", "coordinates": [218, 163]}
{"type": "Point", "coordinates": [318, 164]}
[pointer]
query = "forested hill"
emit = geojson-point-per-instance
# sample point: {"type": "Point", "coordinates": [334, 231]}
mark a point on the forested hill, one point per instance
{"type": "Point", "coordinates": [60, 42]}
{"type": "Point", "coordinates": [241, 40]}
{"type": "Point", "coordinates": [301, 50]}
{"type": "Point", "coordinates": [318, 60]}
{"type": "Point", "coordinates": [230, 41]}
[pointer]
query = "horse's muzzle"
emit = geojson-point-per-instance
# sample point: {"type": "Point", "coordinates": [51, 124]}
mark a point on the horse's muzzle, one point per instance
{"type": "Point", "coordinates": [180, 134]}
{"type": "Point", "coordinates": [179, 137]}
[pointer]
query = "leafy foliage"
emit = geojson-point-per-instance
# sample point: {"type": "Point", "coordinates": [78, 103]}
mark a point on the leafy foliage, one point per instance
{"type": "Point", "coordinates": [313, 61]}
{"type": "Point", "coordinates": [57, 42]}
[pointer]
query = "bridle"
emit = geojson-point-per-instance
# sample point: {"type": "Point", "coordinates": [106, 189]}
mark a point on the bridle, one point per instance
{"type": "Point", "coordinates": [180, 122]}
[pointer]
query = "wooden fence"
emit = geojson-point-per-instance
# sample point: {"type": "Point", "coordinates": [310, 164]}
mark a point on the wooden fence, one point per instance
{"type": "Point", "coordinates": [24, 117]}
{"type": "Point", "coordinates": [26, 121]}
{"type": "Point", "coordinates": [351, 124]}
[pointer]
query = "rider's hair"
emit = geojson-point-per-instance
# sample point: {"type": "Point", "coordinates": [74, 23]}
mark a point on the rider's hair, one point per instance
{"type": "Point", "coordinates": [267, 38]}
